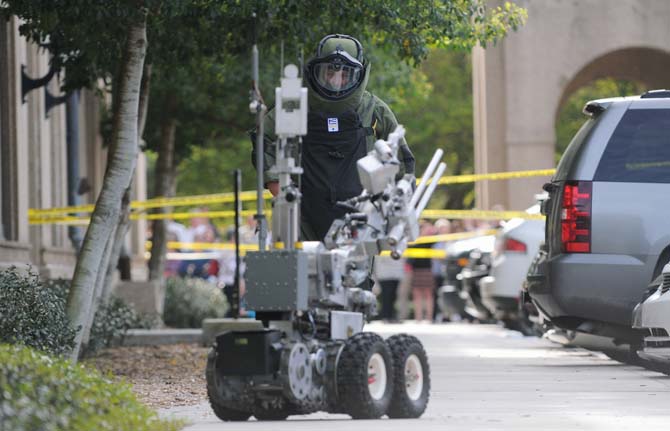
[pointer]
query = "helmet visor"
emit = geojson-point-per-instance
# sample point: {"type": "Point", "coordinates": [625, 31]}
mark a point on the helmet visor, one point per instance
{"type": "Point", "coordinates": [337, 76]}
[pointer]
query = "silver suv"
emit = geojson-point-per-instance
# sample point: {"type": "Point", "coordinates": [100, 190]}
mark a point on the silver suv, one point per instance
{"type": "Point", "coordinates": [606, 234]}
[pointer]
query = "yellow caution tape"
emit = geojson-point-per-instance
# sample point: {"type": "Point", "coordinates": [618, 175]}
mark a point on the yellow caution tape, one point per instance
{"type": "Point", "coordinates": [143, 216]}
{"type": "Point", "coordinates": [410, 252]}
{"type": "Point", "coordinates": [208, 246]}
{"type": "Point", "coordinates": [190, 215]}
{"type": "Point", "coordinates": [250, 195]}
{"type": "Point", "coordinates": [452, 236]}
{"type": "Point", "coordinates": [217, 198]}
{"type": "Point", "coordinates": [647, 165]}
{"type": "Point", "coordinates": [479, 215]}
{"type": "Point", "coordinates": [420, 253]}
{"type": "Point", "coordinates": [58, 211]}
{"type": "Point", "coordinates": [65, 220]}
{"type": "Point", "coordinates": [427, 214]}
{"type": "Point", "coordinates": [176, 245]}
{"type": "Point", "coordinates": [417, 253]}
{"type": "Point", "coordinates": [495, 176]}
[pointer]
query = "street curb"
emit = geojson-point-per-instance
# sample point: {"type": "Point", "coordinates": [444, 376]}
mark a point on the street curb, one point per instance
{"type": "Point", "coordinates": [156, 337]}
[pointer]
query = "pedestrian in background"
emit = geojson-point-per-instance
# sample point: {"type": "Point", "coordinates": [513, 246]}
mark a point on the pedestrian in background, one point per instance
{"type": "Point", "coordinates": [388, 272]}
{"type": "Point", "coordinates": [423, 284]}
{"type": "Point", "coordinates": [439, 266]}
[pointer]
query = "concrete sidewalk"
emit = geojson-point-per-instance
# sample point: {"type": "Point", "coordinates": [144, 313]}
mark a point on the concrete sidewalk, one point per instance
{"type": "Point", "coordinates": [487, 378]}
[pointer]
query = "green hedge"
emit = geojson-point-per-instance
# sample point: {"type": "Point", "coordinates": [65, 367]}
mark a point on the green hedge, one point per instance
{"type": "Point", "coordinates": [113, 320]}
{"type": "Point", "coordinates": [190, 300]}
{"type": "Point", "coordinates": [40, 392]}
{"type": "Point", "coordinates": [33, 313]}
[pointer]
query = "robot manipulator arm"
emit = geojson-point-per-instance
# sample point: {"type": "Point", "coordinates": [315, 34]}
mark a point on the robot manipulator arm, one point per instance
{"type": "Point", "coordinates": [385, 216]}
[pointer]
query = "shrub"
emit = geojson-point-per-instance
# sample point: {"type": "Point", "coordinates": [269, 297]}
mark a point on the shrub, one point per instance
{"type": "Point", "coordinates": [190, 300]}
{"type": "Point", "coordinates": [32, 313]}
{"type": "Point", "coordinates": [45, 393]}
{"type": "Point", "coordinates": [113, 320]}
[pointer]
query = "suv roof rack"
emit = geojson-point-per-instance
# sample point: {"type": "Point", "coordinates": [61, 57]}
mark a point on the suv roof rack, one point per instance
{"type": "Point", "coordinates": [656, 94]}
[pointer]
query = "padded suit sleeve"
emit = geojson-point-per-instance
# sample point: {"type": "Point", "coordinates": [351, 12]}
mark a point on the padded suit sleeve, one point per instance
{"type": "Point", "coordinates": [387, 124]}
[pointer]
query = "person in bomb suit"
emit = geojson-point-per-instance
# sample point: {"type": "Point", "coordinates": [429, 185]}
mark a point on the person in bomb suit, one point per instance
{"type": "Point", "coordinates": [344, 121]}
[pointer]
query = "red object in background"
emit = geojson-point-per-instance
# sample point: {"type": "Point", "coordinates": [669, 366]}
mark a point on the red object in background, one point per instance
{"type": "Point", "coordinates": [512, 244]}
{"type": "Point", "coordinates": [213, 268]}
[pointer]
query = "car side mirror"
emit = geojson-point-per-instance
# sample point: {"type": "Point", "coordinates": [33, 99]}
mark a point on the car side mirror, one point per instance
{"type": "Point", "coordinates": [544, 207]}
{"type": "Point", "coordinates": [549, 187]}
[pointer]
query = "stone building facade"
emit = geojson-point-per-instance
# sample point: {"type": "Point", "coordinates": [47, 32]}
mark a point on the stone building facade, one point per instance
{"type": "Point", "coordinates": [521, 83]}
{"type": "Point", "coordinates": [34, 162]}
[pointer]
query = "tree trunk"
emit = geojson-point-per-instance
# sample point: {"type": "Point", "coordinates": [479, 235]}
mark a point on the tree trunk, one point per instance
{"type": "Point", "coordinates": [97, 293]}
{"type": "Point", "coordinates": [124, 220]}
{"type": "Point", "coordinates": [165, 186]}
{"type": "Point", "coordinates": [117, 178]}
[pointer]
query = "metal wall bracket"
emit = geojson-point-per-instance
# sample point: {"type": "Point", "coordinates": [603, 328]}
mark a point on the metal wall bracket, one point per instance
{"type": "Point", "coordinates": [51, 101]}
{"type": "Point", "coordinates": [28, 84]}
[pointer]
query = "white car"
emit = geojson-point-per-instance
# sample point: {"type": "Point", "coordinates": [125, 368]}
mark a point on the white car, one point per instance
{"type": "Point", "coordinates": [516, 245]}
{"type": "Point", "coordinates": [653, 316]}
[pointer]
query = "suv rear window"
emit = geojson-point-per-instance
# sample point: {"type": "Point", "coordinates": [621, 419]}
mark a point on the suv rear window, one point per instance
{"type": "Point", "coordinates": [568, 157]}
{"type": "Point", "coordinates": [639, 149]}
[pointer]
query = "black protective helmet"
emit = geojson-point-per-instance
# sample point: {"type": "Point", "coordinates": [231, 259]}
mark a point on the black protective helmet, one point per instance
{"type": "Point", "coordinates": [338, 68]}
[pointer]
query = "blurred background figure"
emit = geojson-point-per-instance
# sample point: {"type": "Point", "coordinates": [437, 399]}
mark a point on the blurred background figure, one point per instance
{"type": "Point", "coordinates": [403, 292]}
{"type": "Point", "coordinates": [200, 230]}
{"type": "Point", "coordinates": [439, 265]}
{"type": "Point", "coordinates": [175, 232]}
{"type": "Point", "coordinates": [388, 273]}
{"type": "Point", "coordinates": [248, 231]}
{"type": "Point", "coordinates": [422, 280]}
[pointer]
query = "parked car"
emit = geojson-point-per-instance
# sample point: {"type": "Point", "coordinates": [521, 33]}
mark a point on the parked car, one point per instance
{"type": "Point", "coordinates": [516, 245]}
{"type": "Point", "coordinates": [653, 317]}
{"type": "Point", "coordinates": [452, 296]}
{"type": "Point", "coordinates": [477, 268]}
{"type": "Point", "coordinates": [606, 228]}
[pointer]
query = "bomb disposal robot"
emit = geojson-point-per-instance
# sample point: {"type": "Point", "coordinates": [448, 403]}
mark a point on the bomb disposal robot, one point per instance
{"type": "Point", "coordinates": [312, 354]}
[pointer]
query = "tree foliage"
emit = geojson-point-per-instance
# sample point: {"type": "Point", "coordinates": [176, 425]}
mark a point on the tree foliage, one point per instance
{"type": "Point", "coordinates": [442, 118]}
{"type": "Point", "coordinates": [216, 148]}
{"type": "Point", "coordinates": [570, 117]}
{"type": "Point", "coordinates": [396, 35]}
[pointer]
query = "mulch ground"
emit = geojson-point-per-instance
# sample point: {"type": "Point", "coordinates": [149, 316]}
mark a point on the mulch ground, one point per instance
{"type": "Point", "coordinates": [161, 376]}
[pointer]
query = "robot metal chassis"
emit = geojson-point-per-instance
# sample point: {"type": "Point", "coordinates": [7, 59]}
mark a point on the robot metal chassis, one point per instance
{"type": "Point", "coordinates": [312, 353]}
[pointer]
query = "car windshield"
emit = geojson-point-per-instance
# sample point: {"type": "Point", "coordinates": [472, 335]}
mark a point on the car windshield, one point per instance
{"type": "Point", "coordinates": [639, 149]}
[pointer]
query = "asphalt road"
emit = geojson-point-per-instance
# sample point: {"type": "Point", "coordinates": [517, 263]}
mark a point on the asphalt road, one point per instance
{"type": "Point", "coordinates": [487, 378]}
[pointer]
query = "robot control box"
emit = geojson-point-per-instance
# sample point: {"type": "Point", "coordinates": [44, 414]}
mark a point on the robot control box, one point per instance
{"type": "Point", "coordinates": [278, 281]}
{"type": "Point", "coordinates": [248, 352]}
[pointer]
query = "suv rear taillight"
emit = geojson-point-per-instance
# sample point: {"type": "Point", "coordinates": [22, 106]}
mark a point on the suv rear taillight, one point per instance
{"type": "Point", "coordinates": [576, 217]}
{"type": "Point", "coordinates": [514, 245]}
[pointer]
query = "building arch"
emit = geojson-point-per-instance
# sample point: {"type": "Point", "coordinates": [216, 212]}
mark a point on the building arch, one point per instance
{"type": "Point", "coordinates": [520, 84]}
{"type": "Point", "coordinates": [649, 66]}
